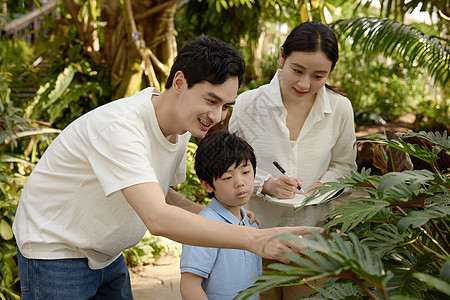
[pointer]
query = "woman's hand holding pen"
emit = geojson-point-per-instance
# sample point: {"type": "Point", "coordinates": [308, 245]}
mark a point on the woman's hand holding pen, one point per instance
{"type": "Point", "coordinates": [284, 187]}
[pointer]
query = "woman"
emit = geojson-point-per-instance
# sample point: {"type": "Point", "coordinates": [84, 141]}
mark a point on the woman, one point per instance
{"type": "Point", "coordinates": [303, 124]}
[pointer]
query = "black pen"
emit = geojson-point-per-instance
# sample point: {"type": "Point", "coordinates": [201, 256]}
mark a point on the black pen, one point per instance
{"type": "Point", "coordinates": [276, 164]}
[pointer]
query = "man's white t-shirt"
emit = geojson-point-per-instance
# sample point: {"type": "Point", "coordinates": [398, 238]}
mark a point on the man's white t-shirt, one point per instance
{"type": "Point", "coordinates": [72, 205]}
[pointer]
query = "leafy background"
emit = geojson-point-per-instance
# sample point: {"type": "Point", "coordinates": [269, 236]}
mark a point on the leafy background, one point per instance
{"type": "Point", "coordinates": [390, 67]}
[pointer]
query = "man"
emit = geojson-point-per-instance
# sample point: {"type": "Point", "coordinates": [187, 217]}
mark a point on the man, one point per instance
{"type": "Point", "coordinates": [106, 179]}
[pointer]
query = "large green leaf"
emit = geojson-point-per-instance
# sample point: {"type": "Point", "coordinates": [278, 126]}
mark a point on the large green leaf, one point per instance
{"type": "Point", "coordinates": [401, 186]}
{"type": "Point", "coordinates": [383, 239]}
{"type": "Point", "coordinates": [390, 38]}
{"type": "Point", "coordinates": [5, 230]}
{"type": "Point", "coordinates": [419, 218]}
{"type": "Point", "coordinates": [356, 211]}
{"type": "Point", "coordinates": [434, 137]}
{"type": "Point", "coordinates": [323, 258]}
{"type": "Point", "coordinates": [71, 94]}
{"type": "Point", "coordinates": [340, 291]}
{"type": "Point", "coordinates": [437, 283]}
{"type": "Point", "coordinates": [50, 92]}
{"type": "Point", "coordinates": [344, 255]}
{"type": "Point", "coordinates": [267, 282]}
{"type": "Point", "coordinates": [412, 149]}
{"type": "Point", "coordinates": [6, 274]}
{"type": "Point", "coordinates": [403, 265]}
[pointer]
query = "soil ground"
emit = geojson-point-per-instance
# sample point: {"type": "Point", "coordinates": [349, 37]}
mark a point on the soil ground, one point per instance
{"type": "Point", "coordinates": [160, 281]}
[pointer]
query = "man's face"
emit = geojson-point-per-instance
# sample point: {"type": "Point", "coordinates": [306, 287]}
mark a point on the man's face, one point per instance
{"type": "Point", "coordinates": [234, 188]}
{"type": "Point", "coordinates": [206, 104]}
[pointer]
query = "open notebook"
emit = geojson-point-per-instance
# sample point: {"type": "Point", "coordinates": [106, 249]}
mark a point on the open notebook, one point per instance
{"type": "Point", "coordinates": [300, 198]}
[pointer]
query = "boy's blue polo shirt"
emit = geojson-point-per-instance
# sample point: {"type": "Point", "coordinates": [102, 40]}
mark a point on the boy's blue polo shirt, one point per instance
{"type": "Point", "coordinates": [225, 271]}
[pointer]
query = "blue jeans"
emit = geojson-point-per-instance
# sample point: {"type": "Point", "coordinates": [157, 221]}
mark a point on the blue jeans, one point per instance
{"type": "Point", "coordinates": [42, 279]}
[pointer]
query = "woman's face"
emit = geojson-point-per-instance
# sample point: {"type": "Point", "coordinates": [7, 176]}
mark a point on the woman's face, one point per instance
{"type": "Point", "coordinates": [304, 73]}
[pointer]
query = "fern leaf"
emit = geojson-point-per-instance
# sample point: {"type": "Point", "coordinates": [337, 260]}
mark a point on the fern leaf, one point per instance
{"type": "Point", "coordinates": [388, 37]}
{"type": "Point", "coordinates": [384, 239]}
{"type": "Point", "coordinates": [354, 212]}
{"type": "Point", "coordinates": [434, 137]}
{"type": "Point", "coordinates": [403, 184]}
{"type": "Point", "coordinates": [437, 283]}
{"type": "Point", "coordinates": [419, 218]}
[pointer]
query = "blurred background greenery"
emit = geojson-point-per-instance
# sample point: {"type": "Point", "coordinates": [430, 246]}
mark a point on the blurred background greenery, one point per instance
{"type": "Point", "coordinates": [60, 59]}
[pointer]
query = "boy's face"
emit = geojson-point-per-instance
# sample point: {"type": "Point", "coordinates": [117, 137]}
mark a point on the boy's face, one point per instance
{"type": "Point", "coordinates": [206, 104]}
{"type": "Point", "coordinates": [235, 187]}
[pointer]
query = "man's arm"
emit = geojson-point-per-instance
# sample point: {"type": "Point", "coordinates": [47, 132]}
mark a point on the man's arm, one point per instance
{"type": "Point", "coordinates": [175, 198]}
{"type": "Point", "coordinates": [147, 199]}
{"type": "Point", "coordinates": [191, 287]}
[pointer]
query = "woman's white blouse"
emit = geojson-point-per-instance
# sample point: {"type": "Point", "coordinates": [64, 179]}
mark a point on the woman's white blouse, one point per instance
{"type": "Point", "coordinates": [324, 149]}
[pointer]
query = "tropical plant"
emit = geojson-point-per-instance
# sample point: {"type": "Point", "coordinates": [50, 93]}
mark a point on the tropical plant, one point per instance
{"type": "Point", "coordinates": [404, 42]}
{"type": "Point", "coordinates": [134, 39]}
{"type": "Point", "coordinates": [148, 250]}
{"type": "Point", "coordinates": [21, 142]}
{"type": "Point", "coordinates": [392, 243]}
{"type": "Point", "coordinates": [251, 25]}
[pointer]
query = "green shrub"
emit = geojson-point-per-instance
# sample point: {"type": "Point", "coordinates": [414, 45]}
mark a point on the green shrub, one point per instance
{"type": "Point", "coordinates": [391, 244]}
{"type": "Point", "coordinates": [20, 144]}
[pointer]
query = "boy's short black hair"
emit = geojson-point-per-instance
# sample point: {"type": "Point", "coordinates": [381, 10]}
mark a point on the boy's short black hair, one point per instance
{"type": "Point", "coordinates": [219, 151]}
{"type": "Point", "coordinates": [207, 59]}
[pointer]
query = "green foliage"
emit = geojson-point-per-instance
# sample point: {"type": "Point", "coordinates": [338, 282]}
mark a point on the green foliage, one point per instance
{"type": "Point", "coordinates": [20, 143]}
{"type": "Point", "coordinates": [380, 89]}
{"type": "Point", "coordinates": [392, 243]}
{"type": "Point", "coordinates": [72, 93]}
{"type": "Point", "coordinates": [15, 54]}
{"type": "Point", "coordinates": [192, 188]}
{"type": "Point", "coordinates": [148, 250]}
{"type": "Point", "coordinates": [234, 19]}
{"type": "Point", "coordinates": [388, 37]}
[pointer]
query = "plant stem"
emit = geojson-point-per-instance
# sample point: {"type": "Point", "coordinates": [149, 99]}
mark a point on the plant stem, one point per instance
{"type": "Point", "coordinates": [447, 245]}
{"type": "Point", "coordinates": [445, 225]}
{"type": "Point", "coordinates": [365, 289]}
{"type": "Point", "coordinates": [426, 233]}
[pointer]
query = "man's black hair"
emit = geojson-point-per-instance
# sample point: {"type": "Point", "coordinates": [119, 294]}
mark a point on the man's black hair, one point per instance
{"type": "Point", "coordinates": [207, 59]}
{"type": "Point", "coordinates": [219, 151]}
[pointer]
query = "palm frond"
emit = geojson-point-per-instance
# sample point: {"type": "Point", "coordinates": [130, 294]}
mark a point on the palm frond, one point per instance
{"type": "Point", "coordinates": [340, 291]}
{"type": "Point", "coordinates": [403, 186]}
{"type": "Point", "coordinates": [325, 258]}
{"type": "Point", "coordinates": [361, 180]}
{"type": "Point", "coordinates": [437, 283]}
{"type": "Point", "coordinates": [434, 137]}
{"type": "Point", "coordinates": [390, 38]}
{"type": "Point", "coordinates": [384, 239]}
{"type": "Point", "coordinates": [419, 218]}
{"type": "Point", "coordinates": [351, 215]}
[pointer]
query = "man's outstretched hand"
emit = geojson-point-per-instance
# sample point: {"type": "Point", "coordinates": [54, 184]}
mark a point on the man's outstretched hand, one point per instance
{"type": "Point", "coordinates": [274, 246]}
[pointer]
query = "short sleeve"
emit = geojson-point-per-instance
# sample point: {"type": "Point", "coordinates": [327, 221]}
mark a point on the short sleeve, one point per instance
{"type": "Point", "coordinates": [119, 157]}
{"type": "Point", "coordinates": [198, 260]}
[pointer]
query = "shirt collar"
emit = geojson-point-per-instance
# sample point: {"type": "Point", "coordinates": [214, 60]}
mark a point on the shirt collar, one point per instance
{"type": "Point", "coordinates": [323, 100]}
{"type": "Point", "coordinates": [226, 214]}
{"type": "Point", "coordinates": [275, 99]}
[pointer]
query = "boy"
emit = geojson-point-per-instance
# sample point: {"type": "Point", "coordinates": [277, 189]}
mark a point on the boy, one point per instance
{"type": "Point", "coordinates": [106, 179]}
{"type": "Point", "coordinates": [225, 165]}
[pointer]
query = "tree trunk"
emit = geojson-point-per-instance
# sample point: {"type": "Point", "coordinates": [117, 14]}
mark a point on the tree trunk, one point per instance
{"type": "Point", "coordinates": [139, 43]}
{"type": "Point", "coordinates": [87, 31]}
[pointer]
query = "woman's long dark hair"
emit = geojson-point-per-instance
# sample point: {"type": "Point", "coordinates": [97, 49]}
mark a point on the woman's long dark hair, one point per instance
{"type": "Point", "coordinates": [312, 37]}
